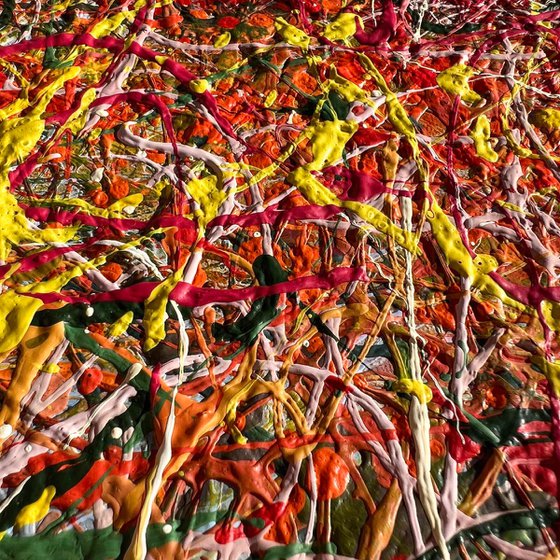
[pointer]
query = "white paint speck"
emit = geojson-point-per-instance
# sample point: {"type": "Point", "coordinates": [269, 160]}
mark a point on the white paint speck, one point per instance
{"type": "Point", "coordinates": [97, 175]}
{"type": "Point", "coordinates": [5, 431]}
{"type": "Point", "coordinates": [116, 433]}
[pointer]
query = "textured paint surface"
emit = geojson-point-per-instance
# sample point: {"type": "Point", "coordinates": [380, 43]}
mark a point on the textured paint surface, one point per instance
{"type": "Point", "coordinates": [279, 279]}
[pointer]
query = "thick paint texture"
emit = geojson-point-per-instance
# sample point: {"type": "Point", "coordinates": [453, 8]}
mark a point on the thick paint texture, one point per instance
{"type": "Point", "coordinates": [279, 280]}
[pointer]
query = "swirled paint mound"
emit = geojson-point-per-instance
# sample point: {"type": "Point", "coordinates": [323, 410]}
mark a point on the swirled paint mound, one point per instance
{"type": "Point", "coordinates": [280, 279]}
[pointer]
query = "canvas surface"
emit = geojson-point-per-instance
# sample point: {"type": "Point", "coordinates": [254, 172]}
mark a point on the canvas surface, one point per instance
{"type": "Point", "coordinates": [280, 279]}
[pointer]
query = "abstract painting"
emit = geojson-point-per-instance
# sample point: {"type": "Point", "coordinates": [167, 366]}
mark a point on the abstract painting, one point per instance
{"type": "Point", "coordinates": [280, 279]}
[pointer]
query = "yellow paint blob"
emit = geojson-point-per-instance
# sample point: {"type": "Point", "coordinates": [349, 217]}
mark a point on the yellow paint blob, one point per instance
{"type": "Point", "coordinates": [455, 81]}
{"type": "Point", "coordinates": [115, 210]}
{"type": "Point", "coordinates": [17, 312]}
{"type": "Point", "coordinates": [342, 28]}
{"type": "Point", "coordinates": [77, 121]}
{"type": "Point", "coordinates": [18, 137]}
{"type": "Point", "coordinates": [51, 368]}
{"type": "Point", "coordinates": [460, 261]}
{"type": "Point", "coordinates": [481, 136]}
{"type": "Point", "coordinates": [208, 196]}
{"type": "Point", "coordinates": [414, 387]}
{"type": "Point", "coordinates": [270, 98]}
{"type": "Point", "coordinates": [36, 511]}
{"type": "Point", "coordinates": [110, 24]}
{"type": "Point", "coordinates": [291, 34]}
{"type": "Point", "coordinates": [223, 40]}
{"type": "Point", "coordinates": [154, 310]}
{"type": "Point", "coordinates": [199, 86]}
{"type": "Point", "coordinates": [120, 326]}
{"type": "Point", "coordinates": [347, 89]}
{"type": "Point", "coordinates": [328, 139]}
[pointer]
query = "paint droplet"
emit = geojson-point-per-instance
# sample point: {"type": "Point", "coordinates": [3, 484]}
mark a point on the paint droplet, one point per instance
{"type": "Point", "coordinates": [5, 431]}
{"type": "Point", "coordinates": [306, 343]}
{"type": "Point", "coordinates": [89, 311]}
{"type": "Point", "coordinates": [97, 175]}
{"type": "Point", "coordinates": [199, 86]}
{"type": "Point", "coordinates": [223, 40]}
{"type": "Point", "coordinates": [134, 370]}
{"type": "Point", "coordinates": [257, 234]}
{"type": "Point", "coordinates": [167, 529]}
{"type": "Point", "coordinates": [116, 433]}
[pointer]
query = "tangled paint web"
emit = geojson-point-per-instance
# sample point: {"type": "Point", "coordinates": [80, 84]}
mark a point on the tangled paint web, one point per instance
{"type": "Point", "coordinates": [280, 279]}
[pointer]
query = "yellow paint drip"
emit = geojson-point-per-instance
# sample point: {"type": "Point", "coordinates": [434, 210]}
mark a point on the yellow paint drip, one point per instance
{"type": "Point", "coordinates": [481, 136]}
{"type": "Point", "coordinates": [551, 313]}
{"type": "Point", "coordinates": [459, 259]}
{"type": "Point", "coordinates": [455, 81]}
{"type": "Point", "coordinates": [347, 89]}
{"type": "Point", "coordinates": [415, 387]}
{"type": "Point", "coordinates": [17, 309]}
{"type": "Point", "coordinates": [328, 139]}
{"type": "Point", "coordinates": [14, 227]}
{"type": "Point", "coordinates": [208, 196]}
{"type": "Point", "coordinates": [36, 511]}
{"type": "Point", "coordinates": [18, 137]}
{"type": "Point", "coordinates": [17, 312]}
{"type": "Point", "coordinates": [154, 310]}
{"type": "Point", "coordinates": [395, 111]}
{"type": "Point", "coordinates": [317, 193]}
{"type": "Point", "coordinates": [120, 326]}
{"type": "Point", "coordinates": [517, 149]}
{"type": "Point", "coordinates": [199, 86]}
{"type": "Point", "coordinates": [445, 233]}
{"type": "Point", "coordinates": [115, 210]}
{"type": "Point", "coordinates": [59, 280]}
{"type": "Point", "coordinates": [223, 40]}
{"type": "Point", "coordinates": [51, 368]}
{"type": "Point", "coordinates": [15, 107]}
{"type": "Point", "coordinates": [513, 207]}
{"type": "Point", "coordinates": [270, 98]}
{"type": "Point", "coordinates": [78, 119]}
{"type": "Point", "coordinates": [110, 24]}
{"type": "Point", "coordinates": [291, 34]}
{"type": "Point", "coordinates": [342, 28]}
{"type": "Point", "coordinates": [230, 421]}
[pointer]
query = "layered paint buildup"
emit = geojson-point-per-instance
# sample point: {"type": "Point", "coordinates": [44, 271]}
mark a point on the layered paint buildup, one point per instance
{"type": "Point", "coordinates": [279, 279]}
